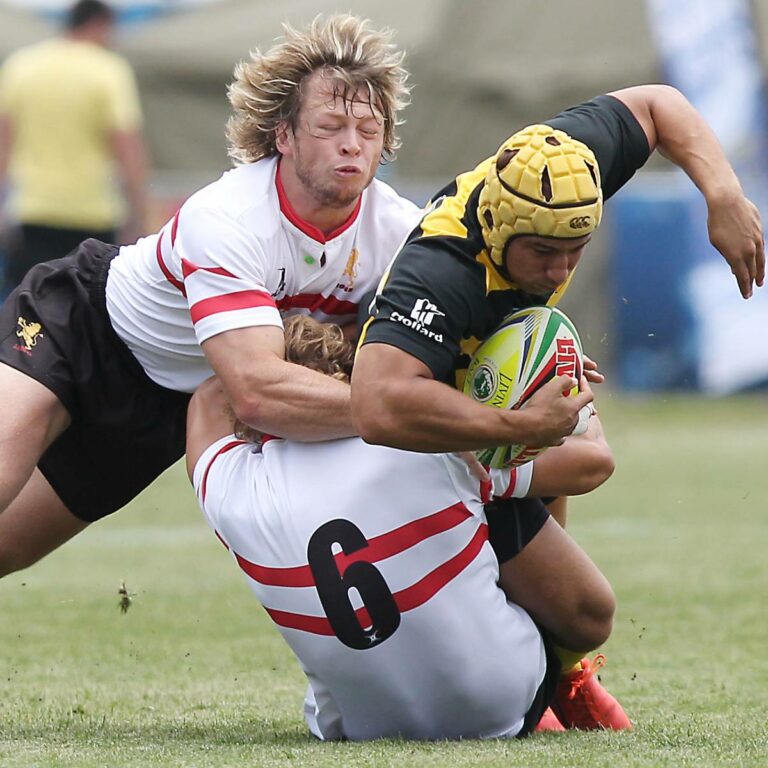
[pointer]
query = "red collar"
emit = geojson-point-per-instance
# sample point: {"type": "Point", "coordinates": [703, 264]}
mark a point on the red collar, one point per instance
{"type": "Point", "coordinates": [310, 229]}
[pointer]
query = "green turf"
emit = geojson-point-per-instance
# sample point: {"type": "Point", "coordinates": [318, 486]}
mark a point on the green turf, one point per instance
{"type": "Point", "coordinates": [195, 675]}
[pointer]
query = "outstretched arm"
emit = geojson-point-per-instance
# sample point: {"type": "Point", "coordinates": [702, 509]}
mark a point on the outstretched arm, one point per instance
{"type": "Point", "coordinates": [681, 134]}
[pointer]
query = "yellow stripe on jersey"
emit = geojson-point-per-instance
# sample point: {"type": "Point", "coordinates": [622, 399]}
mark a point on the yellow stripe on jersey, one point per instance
{"type": "Point", "coordinates": [379, 289]}
{"type": "Point", "coordinates": [445, 218]}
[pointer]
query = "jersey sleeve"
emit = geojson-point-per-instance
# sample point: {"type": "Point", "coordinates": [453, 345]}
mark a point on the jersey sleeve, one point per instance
{"type": "Point", "coordinates": [608, 127]}
{"type": "Point", "coordinates": [424, 305]}
{"type": "Point", "coordinates": [223, 266]}
{"type": "Point", "coordinates": [213, 475]}
{"type": "Point", "coordinates": [511, 482]}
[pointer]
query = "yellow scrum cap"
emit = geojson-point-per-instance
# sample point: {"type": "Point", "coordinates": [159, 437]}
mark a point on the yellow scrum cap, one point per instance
{"type": "Point", "coordinates": [541, 182]}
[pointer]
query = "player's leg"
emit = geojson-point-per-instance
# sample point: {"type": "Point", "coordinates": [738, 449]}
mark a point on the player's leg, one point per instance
{"type": "Point", "coordinates": [34, 525]}
{"type": "Point", "coordinates": [562, 589]}
{"type": "Point", "coordinates": [558, 508]}
{"type": "Point", "coordinates": [31, 417]}
{"type": "Point", "coordinates": [546, 572]}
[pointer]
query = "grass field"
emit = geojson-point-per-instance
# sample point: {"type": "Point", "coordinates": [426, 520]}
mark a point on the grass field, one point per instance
{"type": "Point", "coordinates": [194, 674]}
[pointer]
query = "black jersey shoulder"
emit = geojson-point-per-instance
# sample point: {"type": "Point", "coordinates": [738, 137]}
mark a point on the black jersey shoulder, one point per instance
{"type": "Point", "coordinates": [608, 127]}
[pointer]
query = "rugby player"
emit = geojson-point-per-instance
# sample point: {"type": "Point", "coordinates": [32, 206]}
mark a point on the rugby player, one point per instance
{"type": "Point", "coordinates": [507, 235]}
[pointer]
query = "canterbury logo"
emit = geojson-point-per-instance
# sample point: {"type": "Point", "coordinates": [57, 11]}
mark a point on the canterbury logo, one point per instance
{"type": "Point", "coordinates": [579, 222]}
{"type": "Point", "coordinates": [29, 333]}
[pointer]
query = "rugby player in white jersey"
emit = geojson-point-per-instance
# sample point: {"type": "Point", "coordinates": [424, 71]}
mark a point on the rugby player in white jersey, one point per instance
{"type": "Point", "coordinates": [99, 351]}
{"type": "Point", "coordinates": [377, 568]}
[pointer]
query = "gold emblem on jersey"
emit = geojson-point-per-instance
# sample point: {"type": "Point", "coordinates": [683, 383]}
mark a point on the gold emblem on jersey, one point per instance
{"type": "Point", "coordinates": [29, 333]}
{"type": "Point", "coordinates": [350, 271]}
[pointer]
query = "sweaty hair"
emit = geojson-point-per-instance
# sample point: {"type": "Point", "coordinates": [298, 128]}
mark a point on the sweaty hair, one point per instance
{"type": "Point", "coordinates": [319, 346]}
{"type": "Point", "coordinates": [266, 93]}
{"type": "Point", "coordinates": [86, 11]}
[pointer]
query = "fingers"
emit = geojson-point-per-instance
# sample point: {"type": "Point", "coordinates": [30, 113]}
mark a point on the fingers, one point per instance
{"type": "Point", "coordinates": [476, 469]}
{"type": "Point", "coordinates": [591, 372]}
{"type": "Point", "coordinates": [760, 262]}
{"type": "Point", "coordinates": [585, 396]}
{"type": "Point", "coordinates": [744, 274]}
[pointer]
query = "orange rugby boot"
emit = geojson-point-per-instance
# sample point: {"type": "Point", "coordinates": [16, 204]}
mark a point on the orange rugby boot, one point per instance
{"type": "Point", "coordinates": [581, 702]}
{"type": "Point", "coordinates": [548, 722]}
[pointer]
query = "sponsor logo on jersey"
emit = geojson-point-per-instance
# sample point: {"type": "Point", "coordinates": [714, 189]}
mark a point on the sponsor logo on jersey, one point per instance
{"type": "Point", "coordinates": [281, 285]}
{"type": "Point", "coordinates": [422, 315]}
{"type": "Point", "coordinates": [424, 312]}
{"type": "Point", "coordinates": [350, 272]}
{"type": "Point", "coordinates": [30, 334]}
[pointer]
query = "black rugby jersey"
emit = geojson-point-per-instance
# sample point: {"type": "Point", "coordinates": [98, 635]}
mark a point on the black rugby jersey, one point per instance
{"type": "Point", "coordinates": [442, 294]}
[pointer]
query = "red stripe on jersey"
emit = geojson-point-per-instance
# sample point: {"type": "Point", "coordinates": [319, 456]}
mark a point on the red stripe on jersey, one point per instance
{"type": "Point", "coordinates": [510, 489]}
{"type": "Point", "coordinates": [406, 536]}
{"type": "Point", "coordinates": [433, 582]}
{"type": "Point", "coordinates": [228, 302]}
{"type": "Point", "coordinates": [406, 599]}
{"type": "Point", "coordinates": [175, 227]}
{"type": "Point", "coordinates": [485, 490]}
{"type": "Point", "coordinates": [330, 305]}
{"type": "Point", "coordinates": [188, 268]}
{"type": "Point", "coordinates": [317, 625]}
{"type": "Point", "coordinates": [298, 576]}
{"type": "Point", "coordinates": [379, 548]}
{"type": "Point", "coordinates": [310, 229]}
{"type": "Point", "coordinates": [164, 269]}
{"type": "Point", "coordinates": [204, 485]}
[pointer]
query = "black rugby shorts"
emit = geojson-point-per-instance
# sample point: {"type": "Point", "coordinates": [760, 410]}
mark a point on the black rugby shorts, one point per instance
{"type": "Point", "coordinates": [513, 523]}
{"type": "Point", "coordinates": [125, 429]}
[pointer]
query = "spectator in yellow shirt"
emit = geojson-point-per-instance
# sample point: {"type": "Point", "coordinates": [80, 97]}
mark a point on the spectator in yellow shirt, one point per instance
{"type": "Point", "coordinates": [70, 130]}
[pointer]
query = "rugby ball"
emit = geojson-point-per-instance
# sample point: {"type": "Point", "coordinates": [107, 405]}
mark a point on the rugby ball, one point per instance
{"type": "Point", "coordinates": [529, 348]}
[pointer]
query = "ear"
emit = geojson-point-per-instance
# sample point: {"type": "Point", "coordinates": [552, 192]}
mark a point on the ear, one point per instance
{"type": "Point", "coordinates": [284, 139]}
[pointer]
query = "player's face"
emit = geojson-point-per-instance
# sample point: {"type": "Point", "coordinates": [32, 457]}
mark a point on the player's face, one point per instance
{"type": "Point", "coordinates": [336, 145]}
{"type": "Point", "coordinates": [540, 264]}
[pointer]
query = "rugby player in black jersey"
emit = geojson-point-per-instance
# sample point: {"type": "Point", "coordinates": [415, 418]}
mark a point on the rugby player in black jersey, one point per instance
{"type": "Point", "coordinates": [507, 235]}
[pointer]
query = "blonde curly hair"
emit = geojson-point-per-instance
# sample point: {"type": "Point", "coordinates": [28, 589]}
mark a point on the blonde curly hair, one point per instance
{"type": "Point", "coordinates": [266, 93]}
{"type": "Point", "coordinates": [319, 346]}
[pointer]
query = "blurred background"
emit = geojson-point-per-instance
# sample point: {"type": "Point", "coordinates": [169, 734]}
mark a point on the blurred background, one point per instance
{"type": "Point", "coordinates": [657, 307]}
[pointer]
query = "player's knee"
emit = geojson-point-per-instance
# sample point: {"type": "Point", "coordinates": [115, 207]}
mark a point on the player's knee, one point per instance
{"type": "Point", "coordinates": [593, 618]}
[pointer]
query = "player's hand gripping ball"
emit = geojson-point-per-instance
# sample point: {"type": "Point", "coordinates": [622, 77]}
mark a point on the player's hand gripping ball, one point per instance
{"type": "Point", "coordinates": [529, 348]}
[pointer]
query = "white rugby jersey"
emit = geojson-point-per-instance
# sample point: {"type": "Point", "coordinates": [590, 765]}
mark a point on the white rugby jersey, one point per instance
{"type": "Point", "coordinates": [375, 565]}
{"type": "Point", "coordinates": [236, 255]}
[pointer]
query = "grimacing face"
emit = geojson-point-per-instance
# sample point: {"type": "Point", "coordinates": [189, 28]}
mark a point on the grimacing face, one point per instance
{"type": "Point", "coordinates": [336, 144]}
{"type": "Point", "coordinates": [538, 265]}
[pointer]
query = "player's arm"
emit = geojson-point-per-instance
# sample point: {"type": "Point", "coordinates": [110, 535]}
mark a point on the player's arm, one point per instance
{"type": "Point", "coordinates": [680, 133]}
{"type": "Point", "coordinates": [581, 464]}
{"type": "Point", "coordinates": [397, 402]}
{"type": "Point", "coordinates": [273, 395]}
{"type": "Point", "coordinates": [209, 418]}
